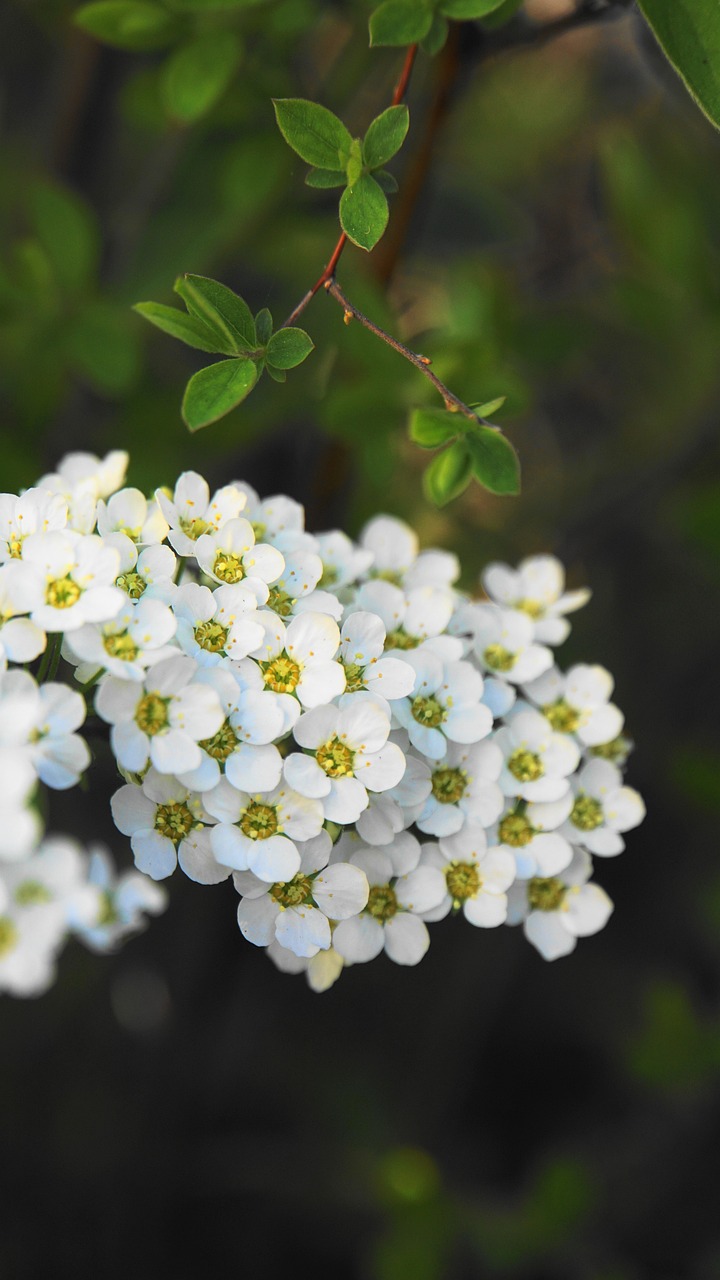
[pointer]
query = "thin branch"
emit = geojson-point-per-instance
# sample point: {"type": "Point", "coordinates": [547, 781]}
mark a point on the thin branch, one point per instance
{"type": "Point", "coordinates": [452, 402]}
{"type": "Point", "coordinates": [521, 34]}
{"type": "Point", "coordinates": [329, 271]}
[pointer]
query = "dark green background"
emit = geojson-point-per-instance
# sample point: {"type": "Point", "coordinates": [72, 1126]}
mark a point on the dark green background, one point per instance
{"type": "Point", "coordinates": [181, 1108]}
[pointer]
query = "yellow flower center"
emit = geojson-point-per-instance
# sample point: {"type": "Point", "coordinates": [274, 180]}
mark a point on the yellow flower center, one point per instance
{"type": "Point", "coordinates": [222, 744]}
{"type": "Point", "coordinates": [62, 593]}
{"type": "Point", "coordinates": [120, 645]}
{"type": "Point", "coordinates": [546, 894]}
{"type": "Point", "coordinates": [193, 528]}
{"type": "Point", "coordinates": [151, 714]}
{"type": "Point", "coordinates": [228, 568]}
{"type": "Point", "coordinates": [292, 893]}
{"type": "Point", "coordinates": [428, 712]}
{"type": "Point", "coordinates": [336, 758]}
{"type": "Point", "coordinates": [15, 547]}
{"type": "Point", "coordinates": [463, 881]}
{"type": "Point", "coordinates": [533, 608]}
{"type": "Point", "coordinates": [282, 674]}
{"type": "Point", "coordinates": [174, 821]}
{"type": "Point", "coordinates": [400, 639]}
{"type": "Point", "coordinates": [32, 892]}
{"type": "Point", "coordinates": [211, 636]}
{"type": "Point", "coordinates": [259, 821]}
{"type": "Point", "coordinates": [354, 677]}
{"type": "Point", "coordinates": [448, 785]}
{"type": "Point", "coordinates": [525, 765]}
{"type": "Point", "coordinates": [515, 830]}
{"type": "Point", "coordinates": [587, 813]}
{"type": "Point", "coordinates": [498, 658]}
{"type": "Point", "coordinates": [562, 717]}
{"type": "Point", "coordinates": [382, 902]}
{"type": "Point", "coordinates": [132, 583]}
{"type": "Point", "coordinates": [8, 935]}
{"type": "Point", "coordinates": [280, 602]}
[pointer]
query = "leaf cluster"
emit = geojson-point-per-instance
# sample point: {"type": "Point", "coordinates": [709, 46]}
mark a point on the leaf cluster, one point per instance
{"type": "Point", "coordinates": [339, 160]}
{"type": "Point", "coordinates": [218, 320]}
{"type": "Point", "coordinates": [467, 449]}
{"type": "Point", "coordinates": [424, 22]}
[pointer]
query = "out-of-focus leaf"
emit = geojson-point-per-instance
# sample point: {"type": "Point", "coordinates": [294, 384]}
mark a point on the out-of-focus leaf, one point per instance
{"type": "Point", "coordinates": [448, 474]}
{"type": "Point", "coordinates": [385, 181]}
{"type": "Point", "coordinates": [128, 24]}
{"type": "Point", "coordinates": [468, 9]}
{"type": "Point", "coordinates": [214, 391]}
{"type": "Point", "coordinates": [432, 427]}
{"type": "Point", "coordinates": [435, 39]}
{"type": "Point", "coordinates": [196, 75]}
{"type": "Point", "coordinates": [67, 232]}
{"type": "Point", "coordinates": [399, 22]}
{"type": "Point", "coordinates": [326, 178]}
{"type": "Point", "coordinates": [688, 32]}
{"type": "Point", "coordinates": [263, 326]}
{"type": "Point", "coordinates": [364, 212]}
{"type": "Point", "coordinates": [313, 132]}
{"type": "Point", "coordinates": [494, 461]}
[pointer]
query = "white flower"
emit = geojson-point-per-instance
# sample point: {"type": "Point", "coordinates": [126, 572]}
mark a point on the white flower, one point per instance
{"type": "Point", "coordinates": [389, 813]}
{"type": "Point", "coordinates": [136, 637]}
{"type": "Point", "coordinates": [444, 706]}
{"type": "Point", "coordinates": [102, 476]}
{"type": "Point", "coordinates": [476, 878]}
{"type": "Point", "coordinates": [215, 625]}
{"type": "Point", "coordinates": [191, 512]}
{"type": "Point", "coordinates": [259, 832]}
{"type": "Point", "coordinates": [463, 789]}
{"type": "Point", "coordinates": [53, 880]}
{"type": "Point", "coordinates": [243, 746]}
{"type": "Point", "coordinates": [602, 808]}
{"type": "Point", "coordinates": [536, 852]}
{"type": "Point", "coordinates": [342, 561]}
{"type": "Point", "coordinates": [537, 588]}
{"type": "Point", "coordinates": [391, 920]}
{"type": "Point", "coordinates": [149, 574]}
{"type": "Point", "coordinates": [394, 547]}
{"type": "Point", "coordinates": [35, 511]}
{"type": "Point", "coordinates": [321, 970]}
{"type": "Point", "coordinates": [537, 761]}
{"type": "Point", "coordinates": [164, 820]}
{"type": "Point", "coordinates": [123, 900]}
{"type": "Point", "coordinates": [560, 909]}
{"type": "Point", "coordinates": [29, 943]}
{"type": "Point", "coordinates": [162, 719]}
{"type": "Point", "coordinates": [504, 643]}
{"type": "Point", "coordinates": [20, 588]}
{"type": "Point", "coordinates": [78, 580]}
{"type": "Point", "coordinates": [361, 653]}
{"type": "Point", "coordinates": [231, 555]}
{"type": "Point", "coordinates": [129, 513]}
{"type": "Point", "coordinates": [418, 617]}
{"type": "Point", "coordinates": [272, 517]}
{"type": "Point", "coordinates": [578, 702]}
{"type": "Point", "coordinates": [296, 913]}
{"type": "Point", "coordinates": [300, 659]}
{"type": "Point", "coordinates": [349, 753]}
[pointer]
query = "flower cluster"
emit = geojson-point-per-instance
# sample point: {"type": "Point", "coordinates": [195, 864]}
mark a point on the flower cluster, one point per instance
{"type": "Point", "coordinates": [358, 744]}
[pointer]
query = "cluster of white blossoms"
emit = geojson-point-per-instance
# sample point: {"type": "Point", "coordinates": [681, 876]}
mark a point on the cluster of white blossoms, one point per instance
{"type": "Point", "coordinates": [360, 746]}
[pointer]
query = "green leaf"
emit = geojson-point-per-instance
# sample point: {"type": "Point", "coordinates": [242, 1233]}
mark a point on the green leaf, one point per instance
{"type": "Point", "coordinates": [277, 375]}
{"type": "Point", "coordinates": [263, 326]}
{"type": "Point", "coordinates": [187, 328]}
{"type": "Point", "coordinates": [494, 461]}
{"type": "Point", "coordinates": [127, 24]}
{"type": "Point", "coordinates": [314, 132]}
{"type": "Point", "coordinates": [448, 474]}
{"type": "Point", "coordinates": [437, 35]}
{"type": "Point", "coordinates": [214, 391]}
{"type": "Point", "coordinates": [67, 232]}
{"type": "Point", "coordinates": [385, 136]}
{"type": "Point", "coordinates": [489, 408]}
{"type": "Point", "coordinates": [688, 32]}
{"type": "Point", "coordinates": [208, 6]}
{"type": "Point", "coordinates": [288, 348]}
{"type": "Point", "coordinates": [325, 178]}
{"type": "Point", "coordinates": [219, 307]}
{"type": "Point", "coordinates": [468, 9]}
{"type": "Point", "coordinates": [364, 212]}
{"type": "Point", "coordinates": [502, 14]}
{"type": "Point", "coordinates": [386, 181]}
{"type": "Point", "coordinates": [355, 162]}
{"type": "Point", "coordinates": [196, 75]}
{"type": "Point", "coordinates": [399, 22]}
{"type": "Point", "coordinates": [432, 427]}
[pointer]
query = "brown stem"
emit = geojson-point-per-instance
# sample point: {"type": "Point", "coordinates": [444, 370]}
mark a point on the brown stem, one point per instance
{"type": "Point", "coordinates": [329, 271]}
{"type": "Point", "coordinates": [452, 402]}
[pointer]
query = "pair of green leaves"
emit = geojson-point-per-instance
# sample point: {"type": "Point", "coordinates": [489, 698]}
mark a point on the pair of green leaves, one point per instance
{"type": "Point", "coordinates": [339, 160]}
{"type": "Point", "coordinates": [470, 449]}
{"type": "Point", "coordinates": [402, 22]}
{"type": "Point", "coordinates": [218, 320]}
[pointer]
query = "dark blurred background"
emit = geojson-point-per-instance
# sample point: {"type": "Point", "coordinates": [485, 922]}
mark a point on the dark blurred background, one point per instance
{"type": "Point", "coordinates": [181, 1108]}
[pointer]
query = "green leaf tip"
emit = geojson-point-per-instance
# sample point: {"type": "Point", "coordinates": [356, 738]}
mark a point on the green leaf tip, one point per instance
{"type": "Point", "coordinates": [215, 390]}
